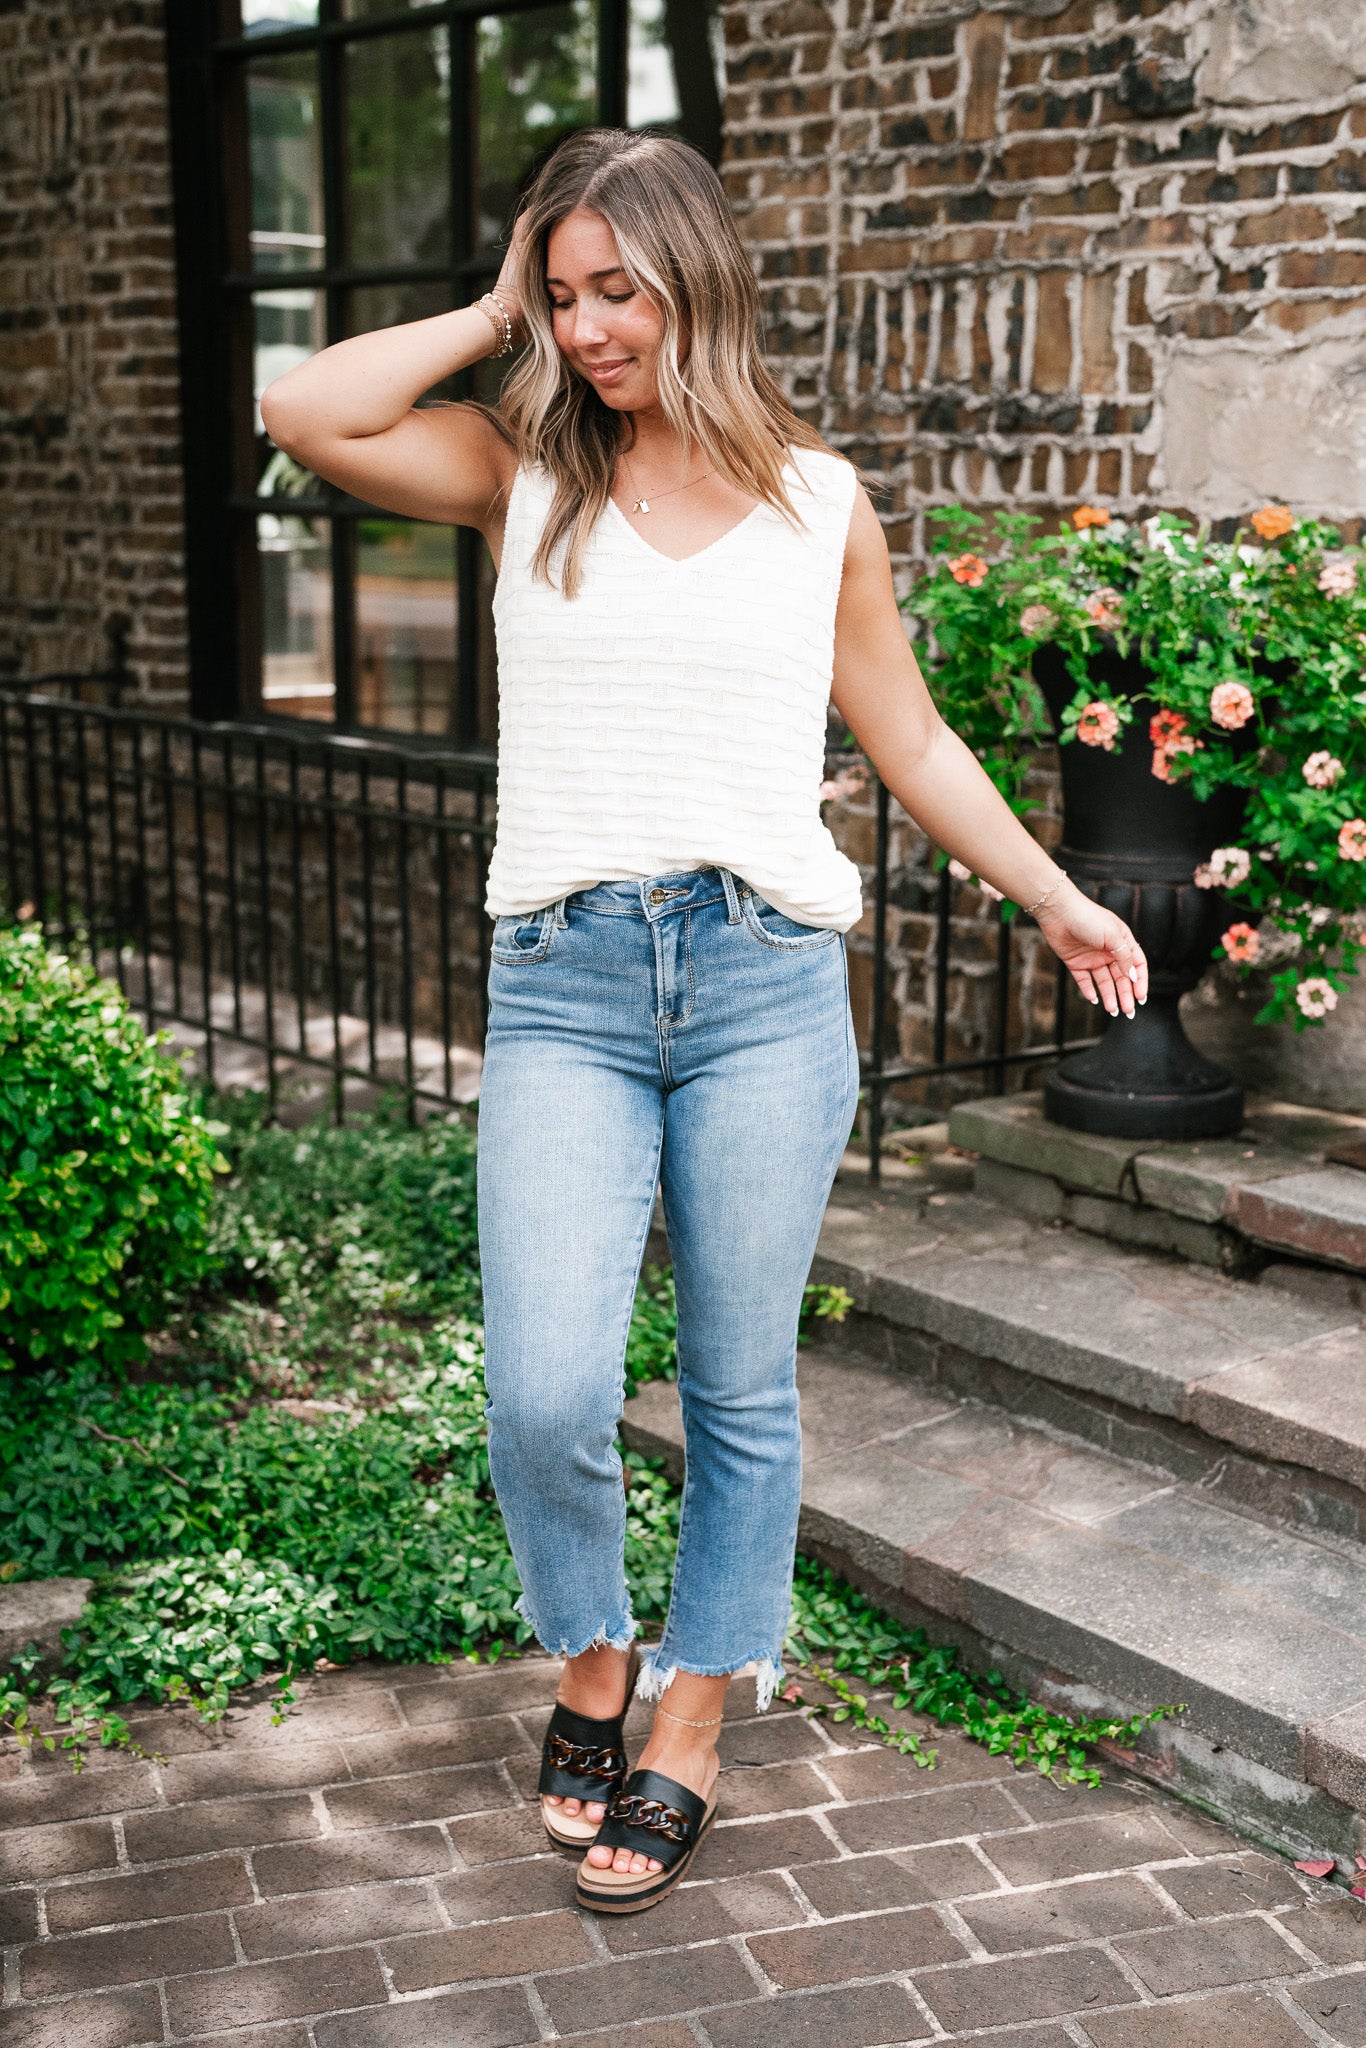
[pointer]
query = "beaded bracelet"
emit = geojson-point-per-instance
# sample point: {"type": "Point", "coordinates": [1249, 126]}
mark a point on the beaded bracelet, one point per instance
{"type": "Point", "coordinates": [496, 313]}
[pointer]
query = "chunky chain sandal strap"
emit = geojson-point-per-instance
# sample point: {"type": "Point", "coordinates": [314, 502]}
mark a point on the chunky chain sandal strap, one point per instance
{"type": "Point", "coordinates": [653, 1815]}
{"type": "Point", "coordinates": [582, 1758]}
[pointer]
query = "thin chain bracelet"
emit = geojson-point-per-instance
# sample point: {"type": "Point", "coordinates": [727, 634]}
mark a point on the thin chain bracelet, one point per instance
{"type": "Point", "coordinates": [1040, 901]}
{"type": "Point", "coordinates": [683, 1720]}
{"type": "Point", "coordinates": [498, 317]}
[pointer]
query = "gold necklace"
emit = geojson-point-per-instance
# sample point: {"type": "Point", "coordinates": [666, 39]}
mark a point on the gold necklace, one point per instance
{"type": "Point", "coordinates": [642, 504]}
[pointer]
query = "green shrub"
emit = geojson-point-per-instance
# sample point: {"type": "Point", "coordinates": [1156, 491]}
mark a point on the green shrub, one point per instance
{"type": "Point", "coordinates": [106, 1170]}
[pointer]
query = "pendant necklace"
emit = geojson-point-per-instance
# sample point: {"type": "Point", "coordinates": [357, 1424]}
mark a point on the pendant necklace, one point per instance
{"type": "Point", "coordinates": [642, 504]}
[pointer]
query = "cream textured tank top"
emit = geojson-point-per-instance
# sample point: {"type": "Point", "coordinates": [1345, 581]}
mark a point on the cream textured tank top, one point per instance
{"type": "Point", "coordinates": [673, 714]}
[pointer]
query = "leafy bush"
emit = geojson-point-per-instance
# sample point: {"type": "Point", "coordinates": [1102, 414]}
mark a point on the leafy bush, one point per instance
{"type": "Point", "coordinates": [1253, 652]}
{"type": "Point", "coordinates": [106, 1168]}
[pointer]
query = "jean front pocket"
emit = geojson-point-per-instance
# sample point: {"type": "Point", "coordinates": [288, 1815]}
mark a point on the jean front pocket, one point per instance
{"type": "Point", "coordinates": [523, 937]}
{"type": "Point", "coordinates": [772, 928]}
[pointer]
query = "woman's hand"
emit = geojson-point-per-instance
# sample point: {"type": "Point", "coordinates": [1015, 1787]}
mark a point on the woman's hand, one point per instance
{"type": "Point", "coordinates": [1097, 948]}
{"type": "Point", "coordinates": [508, 287]}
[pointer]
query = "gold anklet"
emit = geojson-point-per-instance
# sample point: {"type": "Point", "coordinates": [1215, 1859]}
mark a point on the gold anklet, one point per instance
{"type": "Point", "coordinates": [684, 1722]}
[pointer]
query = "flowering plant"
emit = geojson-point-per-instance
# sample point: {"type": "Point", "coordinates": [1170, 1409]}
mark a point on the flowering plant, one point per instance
{"type": "Point", "coordinates": [1255, 648]}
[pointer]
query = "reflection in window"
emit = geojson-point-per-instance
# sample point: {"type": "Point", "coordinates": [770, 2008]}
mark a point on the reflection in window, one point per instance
{"type": "Point", "coordinates": [536, 82]}
{"type": "Point", "coordinates": [358, 10]}
{"type": "Point", "coordinates": [288, 329]}
{"type": "Point", "coordinates": [296, 616]}
{"type": "Point", "coordinates": [676, 75]}
{"type": "Point", "coordinates": [405, 625]}
{"type": "Point", "coordinates": [398, 149]}
{"type": "Point", "coordinates": [268, 17]}
{"type": "Point", "coordinates": [389, 305]}
{"type": "Point", "coordinates": [286, 167]}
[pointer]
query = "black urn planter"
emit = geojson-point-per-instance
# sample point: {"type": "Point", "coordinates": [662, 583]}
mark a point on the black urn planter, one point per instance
{"type": "Point", "coordinates": [1133, 843]}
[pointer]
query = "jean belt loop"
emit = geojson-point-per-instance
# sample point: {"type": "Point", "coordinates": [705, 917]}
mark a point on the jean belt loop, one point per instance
{"type": "Point", "coordinates": [732, 896]}
{"type": "Point", "coordinates": [561, 910]}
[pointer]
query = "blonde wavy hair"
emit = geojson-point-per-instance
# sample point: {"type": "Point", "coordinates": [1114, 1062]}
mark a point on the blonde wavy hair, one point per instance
{"type": "Point", "coordinates": [679, 246]}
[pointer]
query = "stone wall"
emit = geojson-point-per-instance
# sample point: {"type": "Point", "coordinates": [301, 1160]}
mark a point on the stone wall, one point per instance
{"type": "Point", "coordinates": [90, 489]}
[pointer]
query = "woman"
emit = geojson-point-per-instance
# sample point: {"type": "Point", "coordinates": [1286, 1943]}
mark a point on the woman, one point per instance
{"type": "Point", "coordinates": [686, 576]}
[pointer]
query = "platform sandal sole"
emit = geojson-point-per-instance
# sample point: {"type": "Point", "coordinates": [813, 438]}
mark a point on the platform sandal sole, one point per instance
{"type": "Point", "coordinates": [655, 1885]}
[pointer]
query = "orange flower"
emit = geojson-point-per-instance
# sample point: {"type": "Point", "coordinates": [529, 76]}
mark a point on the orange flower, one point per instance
{"type": "Point", "coordinates": [969, 569]}
{"type": "Point", "coordinates": [1240, 942]}
{"type": "Point", "coordinates": [1272, 521]}
{"type": "Point", "coordinates": [1089, 515]}
{"type": "Point", "coordinates": [1165, 726]}
{"type": "Point", "coordinates": [1352, 839]}
{"type": "Point", "coordinates": [1097, 725]}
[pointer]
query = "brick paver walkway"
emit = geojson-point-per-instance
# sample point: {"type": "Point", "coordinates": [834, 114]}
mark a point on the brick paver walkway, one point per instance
{"type": "Point", "coordinates": [373, 1875]}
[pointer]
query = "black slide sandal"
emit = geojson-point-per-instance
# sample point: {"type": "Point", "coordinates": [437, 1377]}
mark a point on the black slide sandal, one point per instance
{"type": "Point", "coordinates": [653, 1816]}
{"type": "Point", "coordinates": [582, 1759]}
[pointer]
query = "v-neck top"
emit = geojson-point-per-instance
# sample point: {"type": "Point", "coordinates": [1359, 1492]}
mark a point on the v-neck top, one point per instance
{"type": "Point", "coordinates": [672, 715]}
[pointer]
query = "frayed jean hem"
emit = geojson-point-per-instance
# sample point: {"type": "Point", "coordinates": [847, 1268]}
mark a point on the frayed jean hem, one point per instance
{"type": "Point", "coordinates": [604, 1638]}
{"type": "Point", "coordinates": [656, 1676]}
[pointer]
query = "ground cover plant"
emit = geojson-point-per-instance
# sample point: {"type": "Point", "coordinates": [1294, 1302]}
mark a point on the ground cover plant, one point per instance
{"type": "Point", "coordinates": [297, 1470]}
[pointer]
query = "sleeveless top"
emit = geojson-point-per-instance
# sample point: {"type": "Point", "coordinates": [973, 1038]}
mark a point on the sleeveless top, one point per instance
{"type": "Point", "coordinates": [673, 715]}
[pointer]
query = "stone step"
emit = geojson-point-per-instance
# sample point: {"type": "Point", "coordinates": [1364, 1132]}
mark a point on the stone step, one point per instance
{"type": "Point", "coordinates": [1277, 1192]}
{"type": "Point", "coordinates": [1095, 1581]}
{"type": "Point", "coordinates": [1253, 1392]}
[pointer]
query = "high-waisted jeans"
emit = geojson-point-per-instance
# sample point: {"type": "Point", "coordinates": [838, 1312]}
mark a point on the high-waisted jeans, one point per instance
{"type": "Point", "coordinates": [672, 1030]}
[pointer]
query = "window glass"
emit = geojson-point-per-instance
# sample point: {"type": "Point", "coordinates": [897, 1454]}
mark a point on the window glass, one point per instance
{"type": "Point", "coordinates": [268, 17]}
{"type": "Point", "coordinates": [296, 615]}
{"type": "Point", "coordinates": [389, 305]}
{"type": "Point", "coordinates": [398, 201]}
{"type": "Point", "coordinates": [288, 328]}
{"type": "Point", "coordinates": [536, 82]}
{"type": "Point", "coordinates": [405, 625]}
{"type": "Point", "coordinates": [358, 10]}
{"type": "Point", "coordinates": [286, 163]}
{"type": "Point", "coordinates": [651, 93]}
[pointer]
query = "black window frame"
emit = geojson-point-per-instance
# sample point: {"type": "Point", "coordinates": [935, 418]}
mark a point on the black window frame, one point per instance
{"type": "Point", "coordinates": [214, 303]}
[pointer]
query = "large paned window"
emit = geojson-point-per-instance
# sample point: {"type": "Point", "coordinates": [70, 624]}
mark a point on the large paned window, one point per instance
{"type": "Point", "coordinates": [340, 166]}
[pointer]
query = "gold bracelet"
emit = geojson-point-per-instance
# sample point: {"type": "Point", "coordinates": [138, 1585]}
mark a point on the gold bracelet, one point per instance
{"type": "Point", "coordinates": [498, 317]}
{"type": "Point", "coordinates": [1039, 902]}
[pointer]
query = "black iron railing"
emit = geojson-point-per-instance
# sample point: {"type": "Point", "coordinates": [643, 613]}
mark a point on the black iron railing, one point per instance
{"type": "Point", "coordinates": [317, 899]}
{"type": "Point", "coordinates": [313, 899]}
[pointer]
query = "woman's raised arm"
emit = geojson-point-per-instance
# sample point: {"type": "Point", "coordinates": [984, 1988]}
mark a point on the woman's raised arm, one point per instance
{"type": "Point", "coordinates": [349, 415]}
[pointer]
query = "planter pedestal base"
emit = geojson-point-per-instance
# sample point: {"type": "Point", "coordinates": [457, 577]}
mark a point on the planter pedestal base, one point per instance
{"type": "Point", "coordinates": [1144, 1080]}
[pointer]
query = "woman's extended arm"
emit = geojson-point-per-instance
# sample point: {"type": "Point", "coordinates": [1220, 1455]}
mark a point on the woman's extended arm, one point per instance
{"type": "Point", "coordinates": [881, 695]}
{"type": "Point", "coordinates": [348, 414]}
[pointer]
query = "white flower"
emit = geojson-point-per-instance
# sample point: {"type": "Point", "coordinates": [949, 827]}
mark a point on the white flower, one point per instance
{"type": "Point", "coordinates": [1316, 997]}
{"type": "Point", "coordinates": [1226, 868]}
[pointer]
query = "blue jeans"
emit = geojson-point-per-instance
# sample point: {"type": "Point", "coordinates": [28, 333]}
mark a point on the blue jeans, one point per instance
{"type": "Point", "coordinates": [675, 1029]}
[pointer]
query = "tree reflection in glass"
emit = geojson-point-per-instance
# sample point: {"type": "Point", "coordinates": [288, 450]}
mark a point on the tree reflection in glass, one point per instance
{"type": "Point", "coordinates": [536, 82]}
{"type": "Point", "coordinates": [398, 149]}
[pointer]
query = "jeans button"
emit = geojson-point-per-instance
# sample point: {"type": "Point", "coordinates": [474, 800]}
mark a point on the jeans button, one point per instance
{"type": "Point", "coordinates": [656, 895]}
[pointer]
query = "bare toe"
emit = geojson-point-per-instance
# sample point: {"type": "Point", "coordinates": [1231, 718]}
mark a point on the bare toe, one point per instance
{"type": "Point", "coordinates": [571, 1806]}
{"type": "Point", "coordinates": [553, 1799]}
{"type": "Point", "coordinates": [601, 1859]}
{"type": "Point", "coordinates": [622, 1860]}
{"type": "Point", "coordinates": [594, 1812]}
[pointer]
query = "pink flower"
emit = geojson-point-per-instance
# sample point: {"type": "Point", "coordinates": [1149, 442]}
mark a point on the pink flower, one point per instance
{"type": "Point", "coordinates": [1316, 997]}
{"type": "Point", "coordinates": [1240, 942]}
{"type": "Point", "coordinates": [844, 783]}
{"type": "Point", "coordinates": [1231, 705]}
{"type": "Point", "coordinates": [1323, 769]}
{"type": "Point", "coordinates": [1097, 726]}
{"type": "Point", "coordinates": [1338, 579]}
{"type": "Point", "coordinates": [969, 569]}
{"type": "Point", "coordinates": [1102, 608]}
{"type": "Point", "coordinates": [1352, 839]}
{"type": "Point", "coordinates": [1166, 726]}
{"type": "Point", "coordinates": [1037, 621]}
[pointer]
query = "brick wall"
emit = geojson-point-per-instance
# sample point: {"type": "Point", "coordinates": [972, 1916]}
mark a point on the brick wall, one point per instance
{"type": "Point", "coordinates": [1112, 250]}
{"type": "Point", "coordinates": [90, 504]}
